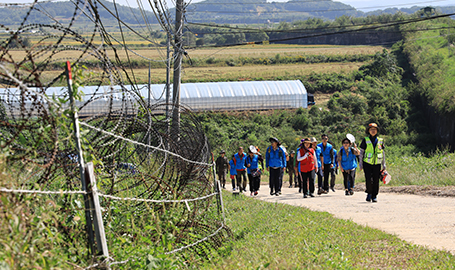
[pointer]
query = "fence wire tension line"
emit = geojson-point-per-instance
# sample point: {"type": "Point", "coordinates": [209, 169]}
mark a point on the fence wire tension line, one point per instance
{"type": "Point", "coordinates": [141, 162]}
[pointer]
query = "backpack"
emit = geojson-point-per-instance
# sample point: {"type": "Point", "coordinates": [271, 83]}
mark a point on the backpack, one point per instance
{"type": "Point", "coordinates": [280, 153]}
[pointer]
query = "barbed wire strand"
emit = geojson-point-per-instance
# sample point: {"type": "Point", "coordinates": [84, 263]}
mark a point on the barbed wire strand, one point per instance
{"type": "Point", "coordinates": [25, 87]}
{"type": "Point", "coordinates": [6, 190]}
{"type": "Point", "coordinates": [145, 145]}
{"type": "Point", "coordinates": [197, 242]}
{"type": "Point", "coordinates": [155, 201]}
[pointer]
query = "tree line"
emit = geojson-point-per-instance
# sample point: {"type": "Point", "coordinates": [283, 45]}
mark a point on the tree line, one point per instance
{"type": "Point", "coordinates": [213, 34]}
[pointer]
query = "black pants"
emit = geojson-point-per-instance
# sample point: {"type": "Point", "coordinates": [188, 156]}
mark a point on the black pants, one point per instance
{"type": "Point", "coordinates": [319, 173]}
{"type": "Point", "coordinates": [333, 177]}
{"type": "Point", "coordinates": [222, 178]}
{"type": "Point", "coordinates": [274, 180]}
{"type": "Point", "coordinates": [241, 184]}
{"type": "Point", "coordinates": [372, 176]}
{"type": "Point", "coordinates": [327, 172]}
{"type": "Point", "coordinates": [298, 181]}
{"type": "Point", "coordinates": [281, 179]}
{"type": "Point", "coordinates": [291, 177]}
{"type": "Point", "coordinates": [308, 181]}
{"type": "Point", "coordinates": [349, 178]}
{"type": "Point", "coordinates": [254, 182]}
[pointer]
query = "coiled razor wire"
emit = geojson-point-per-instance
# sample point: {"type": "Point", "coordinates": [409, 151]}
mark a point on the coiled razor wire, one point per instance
{"type": "Point", "coordinates": [137, 152]}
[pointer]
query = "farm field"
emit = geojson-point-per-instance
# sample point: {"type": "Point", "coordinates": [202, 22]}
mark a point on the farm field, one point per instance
{"type": "Point", "coordinates": [259, 62]}
{"type": "Point", "coordinates": [251, 51]}
{"type": "Point", "coordinates": [207, 74]}
{"type": "Point", "coordinates": [238, 73]}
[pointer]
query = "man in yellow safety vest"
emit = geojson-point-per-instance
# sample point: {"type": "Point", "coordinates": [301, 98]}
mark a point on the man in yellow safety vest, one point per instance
{"type": "Point", "coordinates": [372, 161]}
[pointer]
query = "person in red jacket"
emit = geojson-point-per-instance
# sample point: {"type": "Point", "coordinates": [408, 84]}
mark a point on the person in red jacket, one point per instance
{"type": "Point", "coordinates": [307, 166]}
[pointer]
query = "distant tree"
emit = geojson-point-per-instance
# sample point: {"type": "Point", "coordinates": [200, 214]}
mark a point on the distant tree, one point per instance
{"type": "Point", "coordinates": [383, 64]}
{"type": "Point", "coordinates": [284, 26]}
{"type": "Point", "coordinates": [189, 39]}
{"type": "Point", "coordinates": [258, 36]}
{"type": "Point", "coordinates": [199, 42]}
{"type": "Point", "coordinates": [158, 34]}
{"type": "Point", "coordinates": [20, 43]}
{"type": "Point", "coordinates": [219, 39]}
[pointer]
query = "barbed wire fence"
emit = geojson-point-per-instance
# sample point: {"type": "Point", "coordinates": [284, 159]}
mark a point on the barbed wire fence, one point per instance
{"type": "Point", "coordinates": [153, 183]}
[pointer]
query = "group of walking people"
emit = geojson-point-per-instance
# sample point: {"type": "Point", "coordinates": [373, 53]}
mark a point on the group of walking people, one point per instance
{"type": "Point", "coordinates": [311, 160]}
{"type": "Point", "coordinates": [240, 166]}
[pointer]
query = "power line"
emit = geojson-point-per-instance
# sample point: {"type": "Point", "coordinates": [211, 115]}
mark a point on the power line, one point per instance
{"type": "Point", "coordinates": [270, 12]}
{"type": "Point", "coordinates": [305, 11]}
{"type": "Point", "coordinates": [284, 31]}
{"type": "Point", "coordinates": [261, 3]}
{"type": "Point", "coordinates": [126, 25]}
{"type": "Point", "coordinates": [338, 32]}
{"type": "Point", "coordinates": [258, 30]}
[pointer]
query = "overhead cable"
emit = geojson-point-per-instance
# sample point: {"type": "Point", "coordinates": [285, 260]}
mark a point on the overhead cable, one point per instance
{"type": "Point", "coordinates": [338, 32]}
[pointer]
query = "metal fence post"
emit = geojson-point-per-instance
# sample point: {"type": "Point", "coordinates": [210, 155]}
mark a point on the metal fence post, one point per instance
{"type": "Point", "coordinates": [97, 217]}
{"type": "Point", "coordinates": [77, 135]}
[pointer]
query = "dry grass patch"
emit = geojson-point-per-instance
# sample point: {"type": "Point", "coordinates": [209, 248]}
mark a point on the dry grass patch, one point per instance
{"type": "Point", "coordinates": [241, 73]}
{"type": "Point", "coordinates": [264, 72]}
{"type": "Point", "coordinates": [232, 52]}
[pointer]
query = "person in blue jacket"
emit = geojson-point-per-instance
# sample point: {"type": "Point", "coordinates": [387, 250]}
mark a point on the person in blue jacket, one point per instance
{"type": "Point", "coordinates": [252, 164]}
{"type": "Point", "coordinates": [334, 170]}
{"type": "Point", "coordinates": [317, 153]}
{"type": "Point", "coordinates": [275, 162]}
{"type": "Point", "coordinates": [240, 167]}
{"type": "Point", "coordinates": [296, 165]}
{"type": "Point", "coordinates": [326, 161]}
{"type": "Point", "coordinates": [347, 161]}
{"type": "Point", "coordinates": [232, 171]}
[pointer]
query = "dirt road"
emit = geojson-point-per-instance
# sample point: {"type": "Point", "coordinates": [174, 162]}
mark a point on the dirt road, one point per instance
{"type": "Point", "coordinates": [423, 220]}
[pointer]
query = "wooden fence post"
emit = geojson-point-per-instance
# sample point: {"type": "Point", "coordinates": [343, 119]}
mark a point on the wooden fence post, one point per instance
{"type": "Point", "coordinates": [97, 217]}
{"type": "Point", "coordinates": [77, 135]}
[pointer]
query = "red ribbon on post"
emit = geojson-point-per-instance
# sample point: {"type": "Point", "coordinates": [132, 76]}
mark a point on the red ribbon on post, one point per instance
{"type": "Point", "coordinates": [68, 68]}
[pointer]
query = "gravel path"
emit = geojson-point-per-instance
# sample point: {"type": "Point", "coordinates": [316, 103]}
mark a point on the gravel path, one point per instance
{"type": "Point", "coordinates": [423, 220]}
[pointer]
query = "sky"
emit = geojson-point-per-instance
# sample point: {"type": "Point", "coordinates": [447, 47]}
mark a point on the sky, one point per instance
{"type": "Point", "coordinates": [363, 5]}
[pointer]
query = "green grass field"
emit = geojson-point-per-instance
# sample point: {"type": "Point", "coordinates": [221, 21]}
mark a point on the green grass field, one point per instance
{"type": "Point", "coordinates": [280, 236]}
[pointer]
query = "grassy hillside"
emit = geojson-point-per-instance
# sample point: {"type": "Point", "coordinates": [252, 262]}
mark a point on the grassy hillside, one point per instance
{"type": "Point", "coordinates": [431, 55]}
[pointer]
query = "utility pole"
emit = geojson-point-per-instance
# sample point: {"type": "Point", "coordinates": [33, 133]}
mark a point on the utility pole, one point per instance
{"type": "Point", "coordinates": [149, 118]}
{"type": "Point", "coordinates": [168, 74]}
{"type": "Point", "coordinates": [178, 51]}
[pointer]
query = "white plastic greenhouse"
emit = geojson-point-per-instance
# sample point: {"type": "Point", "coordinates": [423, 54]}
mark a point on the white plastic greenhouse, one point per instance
{"type": "Point", "coordinates": [260, 95]}
{"type": "Point", "coordinates": [255, 95]}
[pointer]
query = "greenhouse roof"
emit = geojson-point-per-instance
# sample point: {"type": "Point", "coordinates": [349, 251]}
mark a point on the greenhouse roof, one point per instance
{"type": "Point", "coordinates": [231, 89]}
{"type": "Point", "coordinates": [248, 95]}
